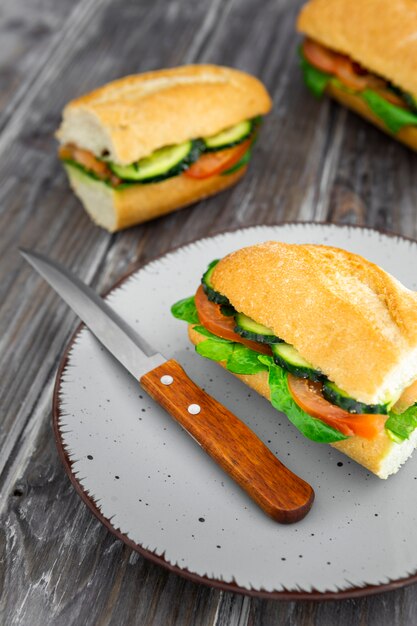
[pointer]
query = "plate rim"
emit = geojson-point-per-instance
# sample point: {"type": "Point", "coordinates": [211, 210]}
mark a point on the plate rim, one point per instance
{"type": "Point", "coordinates": [284, 594]}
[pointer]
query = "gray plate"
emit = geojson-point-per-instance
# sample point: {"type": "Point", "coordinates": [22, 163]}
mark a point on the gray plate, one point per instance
{"type": "Point", "coordinates": [153, 486]}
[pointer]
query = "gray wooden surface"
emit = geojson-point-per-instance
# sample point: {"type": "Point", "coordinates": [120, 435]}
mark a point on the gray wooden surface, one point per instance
{"type": "Point", "coordinates": [314, 161]}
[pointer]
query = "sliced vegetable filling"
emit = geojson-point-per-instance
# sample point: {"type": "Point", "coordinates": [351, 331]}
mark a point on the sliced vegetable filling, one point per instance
{"type": "Point", "coordinates": [322, 66]}
{"type": "Point", "coordinates": [287, 357]}
{"type": "Point", "coordinates": [249, 329]}
{"type": "Point", "coordinates": [297, 388]}
{"type": "Point", "coordinates": [337, 396]}
{"type": "Point", "coordinates": [164, 163]}
{"type": "Point", "coordinates": [212, 295]}
{"type": "Point", "coordinates": [229, 137]}
{"type": "Point", "coordinates": [308, 395]}
{"type": "Point", "coordinates": [223, 153]}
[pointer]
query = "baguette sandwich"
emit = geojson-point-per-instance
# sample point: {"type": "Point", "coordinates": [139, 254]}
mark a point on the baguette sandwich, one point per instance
{"type": "Point", "coordinates": [325, 335]}
{"type": "Point", "coordinates": [364, 55]}
{"type": "Point", "coordinates": [149, 144]}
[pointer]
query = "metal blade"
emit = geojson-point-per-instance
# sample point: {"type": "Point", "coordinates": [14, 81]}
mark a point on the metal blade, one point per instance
{"type": "Point", "coordinates": [137, 356]}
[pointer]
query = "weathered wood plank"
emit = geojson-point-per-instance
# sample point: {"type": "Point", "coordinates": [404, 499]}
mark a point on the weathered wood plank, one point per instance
{"type": "Point", "coordinates": [397, 608]}
{"type": "Point", "coordinates": [29, 32]}
{"type": "Point", "coordinates": [38, 209]}
{"type": "Point", "coordinates": [374, 180]}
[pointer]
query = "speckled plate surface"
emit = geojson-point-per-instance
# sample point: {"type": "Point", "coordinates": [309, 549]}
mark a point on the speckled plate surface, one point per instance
{"type": "Point", "coordinates": [157, 490]}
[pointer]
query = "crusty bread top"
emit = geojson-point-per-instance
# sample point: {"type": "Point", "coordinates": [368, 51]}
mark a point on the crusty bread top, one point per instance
{"type": "Point", "coordinates": [381, 35]}
{"type": "Point", "coordinates": [344, 314]}
{"type": "Point", "coordinates": [131, 117]}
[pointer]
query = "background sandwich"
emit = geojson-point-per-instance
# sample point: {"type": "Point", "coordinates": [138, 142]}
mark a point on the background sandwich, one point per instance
{"type": "Point", "coordinates": [146, 145]}
{"type": "Point", "coordinates": [364, 54]}
{"type": "Point", "coordinates": [328, 337]}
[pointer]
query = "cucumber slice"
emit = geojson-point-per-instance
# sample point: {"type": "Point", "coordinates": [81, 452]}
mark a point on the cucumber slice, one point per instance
{"type": "Point", "coordinates": [227, 310]}
{"type": "Point", "coordinates": [291, 360]}
{"type": "Point", "coordinates": [337, 396]}
{"type": "Point", "coordinates": [229, 137]}
{"type": "Point", "coordinates": [161, 164]}
{"type": "Point", "coordinates": [212, 295]}
{"type": "Point", "coordinates": [249, 329]}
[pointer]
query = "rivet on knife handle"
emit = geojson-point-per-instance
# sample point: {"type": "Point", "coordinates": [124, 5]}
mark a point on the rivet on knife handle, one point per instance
{"type": "Point", "coordinates": [280, 493]}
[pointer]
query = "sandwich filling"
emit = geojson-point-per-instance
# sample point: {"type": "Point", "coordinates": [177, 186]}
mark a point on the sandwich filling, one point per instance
{"type": "Point", "coordinates": [220, 154]}
{"type": "Point", "coordinates": [314, 404]}
{"type": "Point", "coordinates": [323, 67]}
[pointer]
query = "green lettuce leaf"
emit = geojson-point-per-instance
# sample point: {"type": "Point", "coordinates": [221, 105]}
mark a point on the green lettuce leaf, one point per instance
{"type": "Point", "coordinates": [185, 310]}
{"type": "Point", "coordinates": [239, 359]}
{"type": "Point", "coordinates": [282, 401]}
{"type": "Point", "coordinates": [402, 425]}
{"type": "Point", "coordinates": [215, 350]}
{"type": "Point", "coordinates": [203, 331]}
{"type": "Point", "coordinates": [243, 360]}
{"type": "Point", "coordinates": [315, 79]}
{"type": "Point", "coordinates": [394, 117]}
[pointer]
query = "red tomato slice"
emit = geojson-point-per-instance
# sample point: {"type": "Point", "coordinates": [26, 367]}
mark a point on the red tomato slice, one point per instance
{"type": "Point", "coordinates": [212, 163]}
{"type": "Point", "coordinates": [85, 158]}
{"type": "Point", "coordinates": [345, 72]}
{"type": "Point", "coordinates": [309, 397]}
{"type": "Point", "coordinates": [321, 57]}
{"type": "Point", "coordinates": [213, 319]}
{"type": "Point", "coordinates": [348, 72]}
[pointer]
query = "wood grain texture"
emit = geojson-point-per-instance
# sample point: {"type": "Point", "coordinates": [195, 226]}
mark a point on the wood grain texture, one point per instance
{"type": "Point", "coordinates": [234, 447]}
{"type": "Point", "coordinates": [314, 160]}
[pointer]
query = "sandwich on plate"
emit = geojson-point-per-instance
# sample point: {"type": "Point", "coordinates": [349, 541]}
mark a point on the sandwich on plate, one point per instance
{"type": "Point", "coordinates": [149, 144]}
{"type": "Point", "coordinates": [363, 53]}
{"type": "Point", "coordinates": [325, 335]}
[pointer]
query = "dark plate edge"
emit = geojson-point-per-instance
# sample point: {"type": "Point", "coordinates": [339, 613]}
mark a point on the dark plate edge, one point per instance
{"type": "Point", "coordinates": [315, 595]}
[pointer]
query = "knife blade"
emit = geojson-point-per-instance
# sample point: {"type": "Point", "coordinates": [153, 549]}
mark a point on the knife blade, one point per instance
{"type": "Point", "coordinates": [283, 495]}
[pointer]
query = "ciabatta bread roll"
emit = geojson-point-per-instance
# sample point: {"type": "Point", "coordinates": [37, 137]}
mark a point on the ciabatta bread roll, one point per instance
{"type": "Point", "coordinates": [155, 142]}
{"type": "Point", "coordinates": [366, 47]}
{"type": "Point", "coordinates": [329, 337]}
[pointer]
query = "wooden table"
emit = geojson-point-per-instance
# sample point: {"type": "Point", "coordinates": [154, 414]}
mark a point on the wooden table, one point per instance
{"type": "Point", "coordinates": [315, 161]}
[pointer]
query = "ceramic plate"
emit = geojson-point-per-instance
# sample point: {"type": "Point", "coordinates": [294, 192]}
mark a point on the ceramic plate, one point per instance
{"type": "Point", "coordinates": [156, 489]}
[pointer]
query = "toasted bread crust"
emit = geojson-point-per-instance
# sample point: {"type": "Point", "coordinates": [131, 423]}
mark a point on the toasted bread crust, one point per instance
{"type": "Point", "coordinates": [407, 135]}
{"type": "Point", "coordinates": [378, 34]}
{"type": "Point", "coordinates": [372, 454]}
{"type": "Point", "coordinates": [116, 210]}
{"type": "Point", "coordinates": [131, 117]}
{"type": "Point", "coordinates": [344, 314]}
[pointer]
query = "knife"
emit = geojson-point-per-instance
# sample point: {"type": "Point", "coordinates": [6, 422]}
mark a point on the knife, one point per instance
{"type": "Point", "coordinates": [236, 449]}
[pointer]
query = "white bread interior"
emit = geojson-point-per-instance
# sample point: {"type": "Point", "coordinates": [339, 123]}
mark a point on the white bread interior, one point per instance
{"type": "Point", "coordinates": [378, 34]}
{"type": "Point", "coordinates": [114, 209]}
{"type": "Point", "coordinates": [129, 118]}
{"type": "Point", "coordinates": [345, 315]}
{"type": "Point", "coordinates": [381, 455]}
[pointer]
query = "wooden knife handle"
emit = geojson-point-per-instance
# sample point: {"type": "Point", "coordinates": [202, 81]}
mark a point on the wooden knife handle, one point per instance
{"type": "Point", "coordinates": [280, 493]}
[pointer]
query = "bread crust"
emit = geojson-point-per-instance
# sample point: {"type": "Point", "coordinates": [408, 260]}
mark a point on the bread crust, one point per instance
{"type": "Point", "coordinates": [344, 314]}
{"type": "Point", "coordinates": [116, 210]}
{"type": "Point", "coordinates": [131, 117]}
{"type": "Point", "coordinates": [378, 34]}
{"type": "Point", "coordinates": [372, 454]}
{"type": "Point", "coordinates": [407, 135]}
